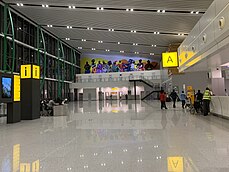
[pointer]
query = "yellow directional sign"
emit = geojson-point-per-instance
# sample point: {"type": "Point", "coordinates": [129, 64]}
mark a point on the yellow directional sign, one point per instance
{"type": "Point", "coordinates": [16, 158]}
{"type": "Point", "coordinates": [170, 59]}
{"type": "Point", "coordinates": [17, 88]}
{"type": "Point", "coordinates": [25, 167]}
{"type": "Point", "coordinates": [36, 72]}
{"type": "Point", "coordinates": [25, 71]}
{"type": "Point", "coordinates": [175, 164]}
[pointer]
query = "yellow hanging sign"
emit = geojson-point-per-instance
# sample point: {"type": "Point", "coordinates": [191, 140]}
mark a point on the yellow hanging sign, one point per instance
{"type": "Point", "coordinates": [36, 72]}
{"type": "Point", "coordinates": [17, 88]}
{"type": "Point", "coordinates": [170, 59]}
{"type": "Point", "coordinates": [175, 164]}
{"type": "Point", "coordinates": [25, 71]}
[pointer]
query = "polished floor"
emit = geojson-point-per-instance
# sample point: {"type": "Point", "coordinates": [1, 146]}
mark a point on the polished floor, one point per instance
{"type": "Point", "coordinates": [116, 137]}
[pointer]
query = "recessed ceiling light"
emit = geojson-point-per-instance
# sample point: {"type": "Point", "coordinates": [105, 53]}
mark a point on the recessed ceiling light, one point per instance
{"type": "Point", "coordinates": [69, 27]}
{"type": "Point", "coordinates": [127, 9]}
{"type": "Point", "coordinates": [192, 12]}
{"type": "Point", "coordinates": [45, 5]}
{"type": "Point", "coordinates": [67, 39]}
{"type": "Point", "coordinates": [20, 4]}
{"type": "Point", "coordinates": [100, 42]}
{"type": "Point", "coordinates": [131, 9]}
{"type": "Point", "coordinates": [93, 49]}
{"type": "Point", "coordinates": [197, 12]}
{"type": "Point", "coordinates": [152, 54]}
{"type": "Point", "coordinates": [158, 11]}
{"type": "Point", "coordinates": [121, 51]}
{"type": "Point", "coordinates": [111, 30]}
{"type": "Point", "coordinates": [155, 33]}
{"type": "Point", "coordinates": [80, 48]}
{"type": "Point", "coordinates": [136, 53]}
{"type": "Point", "coordinates": [84, 40]}
{"type": "Point", "coordinates": [102, 8]}
{"type": "Point", "coordinates": [118, 42]}
{"type": "Point", "coordinates": [49, 25]}
{"type": "Point", "coordinates": [107, 50]}
{"type": "Point", "coordinates": [158, 33]}
{"type": "Point", "coordinates": [163, 11]}
{"type": "Point", "coordinates": [97, 8]}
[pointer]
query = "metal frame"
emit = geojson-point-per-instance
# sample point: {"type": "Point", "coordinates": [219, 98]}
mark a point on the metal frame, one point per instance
{"type": "Point", "coordinates": [5, 45]}
{"type": "Point", "coordinates": [65, 67]}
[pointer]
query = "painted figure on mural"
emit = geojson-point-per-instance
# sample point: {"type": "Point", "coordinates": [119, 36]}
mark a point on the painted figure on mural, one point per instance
{"type": "Point", "coordinates": [105, 67]}
{"type": "Point", "coordinates": [99, 67]}
{"type": "Point", "coordinates": [115, 67]}
{"type": "Point", "coordinates": [140, 66]}
{"type": "Point", "coordinates": [148, 66]}
{"type": "Point", "coordinates": [120, 66]}
{"type": "Point", "coordinates": [109, 66]}
{"type": "Point", "coordinates": [93, 66]}
{"type": "Point", "coordinates": [87, 68]}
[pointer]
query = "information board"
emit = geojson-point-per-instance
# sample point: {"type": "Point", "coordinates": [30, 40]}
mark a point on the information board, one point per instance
{"type": "Point", "coordinates": [17, 88]}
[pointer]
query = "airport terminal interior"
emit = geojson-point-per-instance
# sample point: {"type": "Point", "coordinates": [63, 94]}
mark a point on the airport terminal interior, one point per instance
{"type": "Point", "coordinates": [114, 86]}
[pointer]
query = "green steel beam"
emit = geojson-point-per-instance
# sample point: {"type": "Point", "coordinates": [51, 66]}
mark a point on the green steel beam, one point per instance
{"type": "Point", "coordinates": [5, 39]}
{"type": "Point", "coordinates": [58, 66]}
{"type": "Point", "coordinates": [72, 67]}
{"type": "Point", "coordinates": [44, 63]}
{"type": "Point", "coordinates": [7, 13]}
{"type": "Point", "coordinates": [38, 45]}
{"type": "Point", "coordinates": [13, 42]}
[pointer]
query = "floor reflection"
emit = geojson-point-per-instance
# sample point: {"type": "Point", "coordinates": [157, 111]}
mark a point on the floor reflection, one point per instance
{"type": "Point", "coordinates": [116, 136]}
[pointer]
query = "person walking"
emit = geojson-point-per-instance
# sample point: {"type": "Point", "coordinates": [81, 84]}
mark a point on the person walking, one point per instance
{"type": "Point", "coordinates": [163, 99]}
{"type": "Point", "coordinates": [206, 101]}
{"type": "Point", "coordinates": [174, 97]}
{"type": "Point", "coordinates": [183, 99]}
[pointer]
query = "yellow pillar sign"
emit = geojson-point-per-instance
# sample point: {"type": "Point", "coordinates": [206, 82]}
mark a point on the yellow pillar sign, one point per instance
{"type": "Point", "coordinates": [170, 59]}
{"type": "Point", "coordinates": [175, 164]}
{"type": "Point", "coordinates": [36, 166]}
{"type": "Point", "coordinates": [25, 71]}
{"type": "Point", "coordinates": [16, 158]}
{"type": "Point", "coordinates": [25, 167]}
{"type": "Point", "coordinates": [36, 72]}
{"type": "Point", "coordinates": [17, 88]}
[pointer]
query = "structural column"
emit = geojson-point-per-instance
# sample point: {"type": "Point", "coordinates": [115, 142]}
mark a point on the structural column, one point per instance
{"type": "Point", "coordinates": [30, 92]}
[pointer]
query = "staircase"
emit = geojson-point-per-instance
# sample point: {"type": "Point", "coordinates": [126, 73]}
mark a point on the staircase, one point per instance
{"type": "Point", "coordinates": [155, 87]}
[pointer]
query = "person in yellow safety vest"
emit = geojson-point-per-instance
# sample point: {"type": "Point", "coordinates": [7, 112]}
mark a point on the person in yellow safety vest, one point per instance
{"type": "Point", "coordinates": [206, 101]}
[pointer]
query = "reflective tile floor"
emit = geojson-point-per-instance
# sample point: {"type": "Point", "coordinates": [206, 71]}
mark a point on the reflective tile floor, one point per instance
{"type": "Point", "coordinates": [116, 137]}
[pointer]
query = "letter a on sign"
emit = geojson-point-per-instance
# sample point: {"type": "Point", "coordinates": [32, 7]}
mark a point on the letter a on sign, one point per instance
{"type": "Point", "coordinates": [170, 59]}
{"type": "Point", "coordinates": [176, 164]}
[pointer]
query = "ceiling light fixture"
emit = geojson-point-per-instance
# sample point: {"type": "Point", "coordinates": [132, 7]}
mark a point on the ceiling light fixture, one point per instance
{"type": "Point", "coordinates": [111, 30]}
{"type": "Point", "coordinates": [163, 11]}
{"type": "Point", "coordinates": [45, 5]}
{"type": "Point", "coordinates": [93, 49]}
{"type": "Point", "coordinates": [192, 12]}
{"type": "Point", "coordinates": [107, 50]}
{"type": "Point", "coordinates": [131, 9]}
{"type": "Point", "coordinates": [80, 48]}
{"type": "Point", "coordinates": [69, 27]}
{"type": "Point", "coordinates": [136, 53]}
{"type": "Point", "coordinates": [121, 51]}
{"type": "Point", "coordinates": [71, 7]}
{"type": "Point", "coordinates": [20, 4]}
{"type": "Point", "coordinates": [127, 9]}
{"type": "Point", "coordinates": [152, 54]}
{"type": "Point", "coordinates": [158, 11]}
{"type": "Point", "coordinates": [67, 39]}
{"type": "Point", "coordinates": [100, 42]}
{"type": "Point", "coordinates": [118, 42]}
{"type": "Point", "coordinates": [49, 25]}
{"type": "Point", "coordinates": [83, 40]}
{"type": "Point", "coordinates": [197, 12]}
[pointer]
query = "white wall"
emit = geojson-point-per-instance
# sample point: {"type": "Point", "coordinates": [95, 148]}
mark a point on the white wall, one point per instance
{"type": "Point", "coordinates": [91, 91]}
{"type": "Point", "coordinates": [198, 80]}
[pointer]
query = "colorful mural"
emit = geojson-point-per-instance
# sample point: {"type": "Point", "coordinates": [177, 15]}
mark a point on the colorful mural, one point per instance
{"type": "Point", "coordinates": [106, 64]}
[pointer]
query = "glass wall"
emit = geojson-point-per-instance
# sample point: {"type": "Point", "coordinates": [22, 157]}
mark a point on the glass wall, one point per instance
{"type": "Point", "coordinates": [29, 39]}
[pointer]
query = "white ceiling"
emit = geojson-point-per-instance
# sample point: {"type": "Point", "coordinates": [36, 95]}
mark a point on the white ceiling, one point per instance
{"type": "Point", "coordinates": [169, 22]}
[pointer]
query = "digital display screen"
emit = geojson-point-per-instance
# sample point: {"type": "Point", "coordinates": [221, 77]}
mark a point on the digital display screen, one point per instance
{"type": "Point", "coordinates": [6, 87]}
